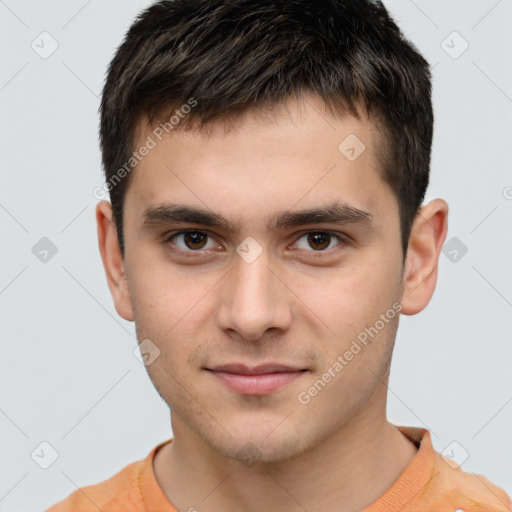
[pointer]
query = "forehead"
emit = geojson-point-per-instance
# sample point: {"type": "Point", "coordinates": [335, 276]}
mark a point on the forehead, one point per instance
{"type": "Point", "coordinates": [295, 153]}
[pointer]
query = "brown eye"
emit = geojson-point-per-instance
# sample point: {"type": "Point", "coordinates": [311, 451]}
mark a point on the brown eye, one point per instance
{"type": "Point", "coordinates": [319, 241]}
{"type": "Point", "coordinates": [191, 241]}
{"type": "Point", "coordinates": [195, 239]}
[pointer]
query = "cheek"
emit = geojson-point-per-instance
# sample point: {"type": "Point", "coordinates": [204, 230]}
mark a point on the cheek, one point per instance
{"type": "Point", "coordinates": [346, 300]}
{"type": "Point", "coordinates": [350, 302]}
{"type": "Point", "coordinates": [161, 293]}
{"type": "Point", "coordinates": [172, 309]}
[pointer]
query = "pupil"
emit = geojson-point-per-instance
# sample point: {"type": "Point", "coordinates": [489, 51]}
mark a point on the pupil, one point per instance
{"type": "Point", "coordinates": [316, 238]}
{"type": "Point", "coordinates": [193, 239]}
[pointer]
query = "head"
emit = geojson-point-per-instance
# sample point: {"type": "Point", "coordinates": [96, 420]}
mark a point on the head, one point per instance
{"type": "Point", "coordinates": [291, 140]}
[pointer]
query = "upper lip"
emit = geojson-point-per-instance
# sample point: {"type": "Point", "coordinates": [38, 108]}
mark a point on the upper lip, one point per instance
{"type": "Point", "coordinates": [242, 369]}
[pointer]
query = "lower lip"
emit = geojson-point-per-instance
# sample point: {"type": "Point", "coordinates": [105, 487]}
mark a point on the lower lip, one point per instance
{"type": "Point", "coordinates": [256, 384]}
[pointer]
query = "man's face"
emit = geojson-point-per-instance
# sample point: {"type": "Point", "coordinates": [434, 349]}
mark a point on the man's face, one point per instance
{"type": "Point", "coordinates": [298, 295]}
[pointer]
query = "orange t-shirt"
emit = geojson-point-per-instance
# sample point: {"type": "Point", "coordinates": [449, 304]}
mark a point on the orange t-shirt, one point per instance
{"type": "Point", "coordinates": [428, 484]}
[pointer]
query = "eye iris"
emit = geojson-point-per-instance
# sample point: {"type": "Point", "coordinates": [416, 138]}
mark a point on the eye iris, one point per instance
{"type": "Point", "coordinates": [195, 239]}
{"type": "Point", "coordinates": [317, 238]}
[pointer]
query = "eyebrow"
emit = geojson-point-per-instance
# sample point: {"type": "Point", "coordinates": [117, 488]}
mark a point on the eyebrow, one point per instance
{"type": "Point", "coordinates": [332, 213]}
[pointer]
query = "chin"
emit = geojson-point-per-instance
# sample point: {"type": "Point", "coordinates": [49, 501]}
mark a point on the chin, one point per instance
{"type": "Point", "coordinates": [261, 449]}
{"type": "Point", "coordinates": [252, 444]}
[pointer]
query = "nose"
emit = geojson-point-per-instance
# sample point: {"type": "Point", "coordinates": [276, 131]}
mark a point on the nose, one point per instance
{"type": "Point", "coordinates": [254, 299]}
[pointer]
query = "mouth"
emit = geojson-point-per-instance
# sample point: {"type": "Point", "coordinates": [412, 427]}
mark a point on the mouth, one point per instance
{"type": "Point", "coordinates": [258, 380]}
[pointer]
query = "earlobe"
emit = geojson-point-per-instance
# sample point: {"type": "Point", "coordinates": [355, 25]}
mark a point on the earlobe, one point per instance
{"type": "Point", "coordinates": [113, 260]}
{"type": "Point", "coordinates": [425, 243]}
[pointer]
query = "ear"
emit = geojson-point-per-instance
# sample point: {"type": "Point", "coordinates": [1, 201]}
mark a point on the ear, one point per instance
{"type": "Point", "coordinates": [113, 260]}
{"type": "Point", "coordinates": [425, 243]}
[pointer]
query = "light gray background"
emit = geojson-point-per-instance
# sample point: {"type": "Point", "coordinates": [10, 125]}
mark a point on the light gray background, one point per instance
{"type": "Point", "coordinates": [68, 374]}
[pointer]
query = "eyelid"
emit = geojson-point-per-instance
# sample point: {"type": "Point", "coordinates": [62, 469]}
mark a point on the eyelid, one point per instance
{"type": "Point", "coordinates": [341, 236]}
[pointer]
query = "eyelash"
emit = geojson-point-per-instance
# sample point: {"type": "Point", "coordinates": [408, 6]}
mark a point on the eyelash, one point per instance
{"type": "Point", "coordinates": [342, 239]}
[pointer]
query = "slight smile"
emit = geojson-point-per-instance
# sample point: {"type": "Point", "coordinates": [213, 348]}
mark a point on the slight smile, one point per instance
{"type": "Point", "coordinates": [259, 380]}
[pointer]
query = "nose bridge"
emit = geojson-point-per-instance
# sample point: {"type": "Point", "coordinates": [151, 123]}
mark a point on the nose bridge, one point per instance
{"type": "Point", "coordinates": [253, 300]}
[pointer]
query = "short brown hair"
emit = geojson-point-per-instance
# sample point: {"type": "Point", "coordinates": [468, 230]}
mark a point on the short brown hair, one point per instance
{"type": "Point", "coordinates": [233, 56]}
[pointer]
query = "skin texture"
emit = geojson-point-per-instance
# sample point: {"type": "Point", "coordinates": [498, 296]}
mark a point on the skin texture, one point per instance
{"type": "Point", "coordinates": [338, 452]}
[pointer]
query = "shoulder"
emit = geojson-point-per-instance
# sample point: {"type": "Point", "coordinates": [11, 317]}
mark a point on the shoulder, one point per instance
{"type": "Point", "coordinates": [471, 491]}
{"type": "Point", "coordinates": [435, 482]}
{"type": "Point", "coordinates": [118, 493]}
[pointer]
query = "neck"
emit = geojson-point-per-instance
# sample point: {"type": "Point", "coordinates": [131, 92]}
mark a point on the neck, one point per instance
{"type": "Point", "coordinates": [347, 472]}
